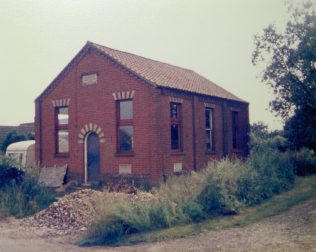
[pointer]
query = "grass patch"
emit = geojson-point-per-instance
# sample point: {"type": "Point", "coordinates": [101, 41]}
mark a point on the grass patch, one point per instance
{"type": "Point", "coordinates": [20, 193]}
{"type": "Point", "coordinates": [304, 190]}
{"type": "Point", "coordinates": [197, 200]}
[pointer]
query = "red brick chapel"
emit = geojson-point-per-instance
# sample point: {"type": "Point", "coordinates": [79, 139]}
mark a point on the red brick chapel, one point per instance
{"type": "Point", "coordinates": [111, 113]}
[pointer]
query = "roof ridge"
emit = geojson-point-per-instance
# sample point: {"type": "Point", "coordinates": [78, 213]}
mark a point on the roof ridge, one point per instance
{"type": "Point", "coordinates": [133, 54]}
{"type": "Point", "coordinates": [157, 73]}
{"type": "Point", "coordinates": [164, 74]}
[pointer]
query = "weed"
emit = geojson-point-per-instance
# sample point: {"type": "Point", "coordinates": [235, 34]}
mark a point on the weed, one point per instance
{"type": "Point", "coordinates": [20, 192]}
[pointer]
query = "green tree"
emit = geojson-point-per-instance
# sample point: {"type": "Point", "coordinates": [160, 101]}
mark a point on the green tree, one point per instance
{"type": "Point", "coordinates": [14, 136]}
{"type": "Point", "coordinates": [290, 59]}
{"type": "Point", "coordinates": [300, 129]}
{"type": "Point", "coordinates": [261, 139]}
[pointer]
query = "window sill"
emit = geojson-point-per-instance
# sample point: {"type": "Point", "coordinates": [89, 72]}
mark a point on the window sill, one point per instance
{"type": "Point", "coordinates": [177, 153]}
{"type": "Point", "coordinates": [61, 155]}
{"type": "Point", "coordinates": [129, 154]}
{"type": "Point", "coordinates": [210, 152]}
{"type": "Point", "coordinates": [238, 151]}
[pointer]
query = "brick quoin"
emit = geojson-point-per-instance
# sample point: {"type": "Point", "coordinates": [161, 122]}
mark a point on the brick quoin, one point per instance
{"type": "Point", "coordinates": [152, 158]}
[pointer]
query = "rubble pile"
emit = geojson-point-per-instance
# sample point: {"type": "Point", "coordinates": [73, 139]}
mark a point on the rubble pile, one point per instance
{"type": "Point", "coordinates": [138, 196]}
{"type": "Point", "coordinates": [70, 213]}
{"type": "Point", "coordinates": [75, 212]}
{"type": "Point", "coordinates": [122, 186]}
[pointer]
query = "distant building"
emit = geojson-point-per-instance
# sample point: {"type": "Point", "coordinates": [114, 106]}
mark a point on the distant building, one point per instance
{"type": "Point", "coordinates": [24, 128]}
{"type": "Point", "coordinates": [111, 113]}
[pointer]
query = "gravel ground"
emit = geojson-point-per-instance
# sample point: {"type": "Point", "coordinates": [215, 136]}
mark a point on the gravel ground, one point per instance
{"type": "Point", "coordinates": [294, 230]}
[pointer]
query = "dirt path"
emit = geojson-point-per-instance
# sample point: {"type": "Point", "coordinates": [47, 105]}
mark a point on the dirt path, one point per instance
{"type": "Point", "coordinates": [294, 230]}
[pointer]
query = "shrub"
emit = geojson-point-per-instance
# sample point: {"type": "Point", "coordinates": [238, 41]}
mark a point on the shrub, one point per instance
{"type": "Point", "coordinates": [162, 216]}
{"type": "Point", "coordinates": [211, 198]}
{"type": "Point", "coordinates": [193, 210]}
{"type": "Point", "coordinates": [20, 193]}
{"type": "Point", "coordinates": [249, 187]}
{"type": "Point", "coordinates": [304, 162]}
{"type": "Point", "coordinates": [118, 217]}
{"type": "Point", "coordinates": [275, 172]}
{"type": "Point", "coordinates": [268, 170]}
{"type": "Point", "coordinates": [9, 175]}
{"type": "Point", "coordinates": [184, 188]}
{"type": "Point", "coordinates": [222, 188]}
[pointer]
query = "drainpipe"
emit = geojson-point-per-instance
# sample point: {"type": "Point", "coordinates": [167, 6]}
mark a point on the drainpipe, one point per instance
{"type": "Point", "coordinates": [39, 119]}
{"type": "Point", "coordinates": [193, 134]}
{"type": "Point", "coordinates": [224, 127]}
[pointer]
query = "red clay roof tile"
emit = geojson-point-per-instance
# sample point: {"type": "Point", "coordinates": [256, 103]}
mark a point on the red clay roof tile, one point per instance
{"type": "Point", "coordinates": [166, 75]}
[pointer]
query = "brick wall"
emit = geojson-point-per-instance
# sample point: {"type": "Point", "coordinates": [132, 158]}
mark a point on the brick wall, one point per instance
{"type": "Point", "coordinates": [194, 130]}
{"type": "Point", "coordinates": [95, 105]}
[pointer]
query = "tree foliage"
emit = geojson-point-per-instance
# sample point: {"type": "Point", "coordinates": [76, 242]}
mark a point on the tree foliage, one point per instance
{"type": "Point", "coordinates": [290, 58]}
{"type": "Point", "coordinates": [262, 139]}
{"type": "Point", "coordinates": [300, 129]}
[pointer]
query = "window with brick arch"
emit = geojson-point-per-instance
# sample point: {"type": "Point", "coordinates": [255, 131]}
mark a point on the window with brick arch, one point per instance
{"type": "Point", "coordinates": [209, 130]}
{"type": "Point", "coordinates": [235, 129]}
{"type": "Point", "coordinates": [61, 131]}
{"type": "Point", "coordinates": [125, 127]}
{"type": "Point", "coordinates": [176, 126]}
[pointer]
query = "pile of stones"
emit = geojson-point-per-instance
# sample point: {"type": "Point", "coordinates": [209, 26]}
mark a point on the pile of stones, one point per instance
{"type": "Point", "coordinates": [70, 213]}
{"type": "Point", "coordinates": [74, 212]}
{"type": "Point", "coordinates": [122, 186]}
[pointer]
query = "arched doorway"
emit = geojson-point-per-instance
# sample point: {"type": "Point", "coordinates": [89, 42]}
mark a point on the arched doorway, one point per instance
{"type": "Point", "coordinates": [92, 158]}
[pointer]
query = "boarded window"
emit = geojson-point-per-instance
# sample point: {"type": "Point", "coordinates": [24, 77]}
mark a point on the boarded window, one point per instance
{"type": "Point", "coordinates": [126, 110]}
{"type": "Point", "coordinates": [62, 115]}
{"type": "Point", "coordinates": [63, 141]}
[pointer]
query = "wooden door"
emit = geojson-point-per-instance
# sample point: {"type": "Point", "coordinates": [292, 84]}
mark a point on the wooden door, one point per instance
{"type": "Point", "coordinates": [93, 157]}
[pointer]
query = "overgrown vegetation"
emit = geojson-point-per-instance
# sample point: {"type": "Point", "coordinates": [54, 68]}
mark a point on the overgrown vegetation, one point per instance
{"type": "Point", "coordinates": [305, 189]}
{"type": "Point", "coordinates": [20, 192]}
{"type": "Point", "coordinates": [224, 188]}
{"type": "Point", "coordinates": [230, 185]}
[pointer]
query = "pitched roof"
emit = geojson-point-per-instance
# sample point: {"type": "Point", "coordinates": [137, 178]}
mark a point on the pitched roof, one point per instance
{"type": "Point", "coordinates": [154, 72]}
{"type": "Point", "coordinates": [166, 75]}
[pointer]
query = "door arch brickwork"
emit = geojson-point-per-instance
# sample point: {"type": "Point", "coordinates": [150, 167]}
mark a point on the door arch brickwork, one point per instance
{"type": "Point", "coordinates": [91, 127]}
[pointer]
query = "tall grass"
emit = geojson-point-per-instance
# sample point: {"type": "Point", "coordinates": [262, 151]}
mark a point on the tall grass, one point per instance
{"type": "Point", "coordinates": [20, 192]}
{"type": "Point", "coordinates": [222, 188]}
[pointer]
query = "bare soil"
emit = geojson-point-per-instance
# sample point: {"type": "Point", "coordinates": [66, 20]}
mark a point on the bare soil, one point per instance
{"type": "Point", "coordinates": [294, 230]}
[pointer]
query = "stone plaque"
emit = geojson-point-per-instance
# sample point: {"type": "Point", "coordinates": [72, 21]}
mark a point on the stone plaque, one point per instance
{"type": "Point", "coordinates": [177, 167]}
{"type": "Point", "coordinates": [125, 169]}
{"type": "Point", "coordinates": [89, 79]}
